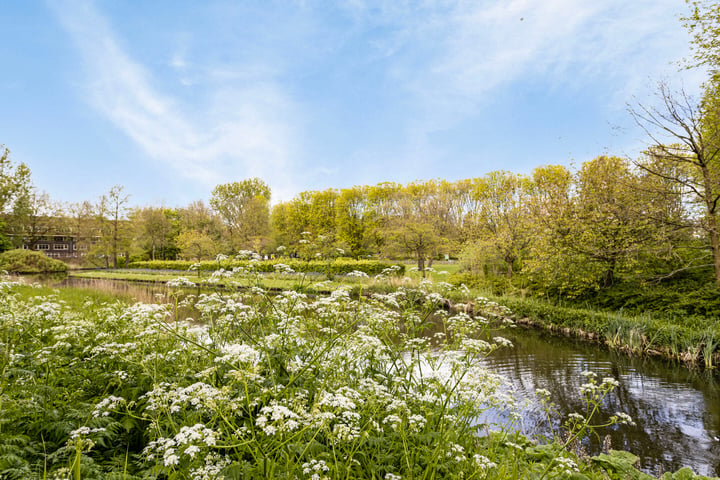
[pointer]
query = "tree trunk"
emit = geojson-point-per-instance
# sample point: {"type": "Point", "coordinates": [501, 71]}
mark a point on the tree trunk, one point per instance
{"type": "Point", "coordinates": [715, 245]}
{"type": "Point", "coordinates": [421, 264]}
{"type": "Point", "coordinates": [711, 205]}
{"type": "Point", "coordinates": [609, 275]}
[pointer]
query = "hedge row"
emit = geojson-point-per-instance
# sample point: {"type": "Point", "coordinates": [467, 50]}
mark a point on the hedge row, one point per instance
{"type": "Point", "coordinates": [338, 266]}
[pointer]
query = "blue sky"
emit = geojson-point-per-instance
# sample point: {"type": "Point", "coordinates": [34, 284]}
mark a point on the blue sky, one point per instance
{"type": "Point", "coordinates": [170, 98]}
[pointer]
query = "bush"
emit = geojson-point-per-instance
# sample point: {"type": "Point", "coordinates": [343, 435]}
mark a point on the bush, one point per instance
{"type": "Point", "coordinates": [27, 261]}
{"type": "Point", "coordinates": [671, 298]}
{"type": "Point", "coordinates": [339, 266]}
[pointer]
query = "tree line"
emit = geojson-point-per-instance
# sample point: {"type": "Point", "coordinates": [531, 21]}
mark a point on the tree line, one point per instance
{"type": "Point", "coordinates": [555, 229]}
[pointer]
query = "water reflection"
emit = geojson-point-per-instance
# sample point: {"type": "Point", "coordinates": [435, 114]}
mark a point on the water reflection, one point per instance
{"type": "Point", "coordinates": [152, 292]}
{"type": "Point", "coordinates": [676, 411]}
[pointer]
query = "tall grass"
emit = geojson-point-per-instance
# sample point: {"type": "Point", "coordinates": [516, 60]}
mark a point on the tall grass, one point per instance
{"type": "Point", "coordinates": [692, 339]}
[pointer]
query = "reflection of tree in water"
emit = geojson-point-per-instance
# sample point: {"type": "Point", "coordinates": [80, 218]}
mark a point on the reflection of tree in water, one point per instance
{"type": "Point", "coordinates": [676, 411]}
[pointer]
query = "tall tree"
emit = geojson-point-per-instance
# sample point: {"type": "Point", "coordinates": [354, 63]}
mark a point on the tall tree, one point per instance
{"type": "Point", "coordinates": [83, 224]}
{"type": "Point", "coordinates": [155, 229]}
{"type": "Point", "coordinates": [117, 206]}
{"type": "Point", "coordinates": [612, 217]}
{"type": "Point", "coordinates": [34, 217]}
{"type": "Point", "coordinates": [703, 24]}
{"type": "Point", "coordinates": [413, 221]}
{"type": "Point", "coordinates": [195, 245]}
{"type": "Point", "coordinates": [14, 184]}
{"type": "Point", "coordinates": [691, 159]}
{"type": "Point", "coordinates": [353, 219]}
{"type": "Point", "coordinates": [244, 208]}
{"type": "Point", "coordinates": [501, 222]}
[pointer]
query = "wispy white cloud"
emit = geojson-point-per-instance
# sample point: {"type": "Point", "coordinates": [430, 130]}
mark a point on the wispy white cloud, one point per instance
{"type": "Point", "coordinates": [454, 55]}
{"type": "Point", "coordinates": [454, 58]}
{"type": "Point", "coordinates": [434, 64]}
{"type": "Point", "coordinates": [243, 130]}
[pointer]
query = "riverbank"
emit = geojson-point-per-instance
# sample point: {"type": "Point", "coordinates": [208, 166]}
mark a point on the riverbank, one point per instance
{"type": "Point", "coordinates": [693, 340]}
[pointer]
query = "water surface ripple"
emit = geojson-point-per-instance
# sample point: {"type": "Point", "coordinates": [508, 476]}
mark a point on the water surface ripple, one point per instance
{"type": "Point", "coordinates": [676, 411]}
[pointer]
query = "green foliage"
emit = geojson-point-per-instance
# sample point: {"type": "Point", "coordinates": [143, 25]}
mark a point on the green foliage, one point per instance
{"type": "Point", "coordinates": [338, 266]}
{"type": "Point", "coordinates": [194, 244]}
{"type": "Point", "coordinates": [27, 261]}
{"type": "Point", "coordinates": [621, 463]}
{"type": "Point", "coordinates": [14, 180]}
{"type": "Point", "coordinates": [5, 243]}
{"type": "Point", "coordinates": [703, 24]}
{"type": "Point", "coordinates": [244, 208]}
{"type": "Point", "coordinates": [676, 299]}
{"type": "Point", "coordinates": [682, 474]}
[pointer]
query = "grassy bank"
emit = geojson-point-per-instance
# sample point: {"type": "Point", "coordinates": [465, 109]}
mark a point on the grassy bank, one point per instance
{"type": "Point", "coordinates": [691, 338]}
{"type": "Point", "coordinates": [250, 261]}
{"type": "Point", "coordinates": [269, 386]}
{"type": "Point", "coordinates": [694, 340]}
{"type": "Point", "coordinates": [678, 318]}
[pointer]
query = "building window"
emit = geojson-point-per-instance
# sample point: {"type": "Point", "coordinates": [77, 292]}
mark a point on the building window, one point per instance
{"type": "Point", "coordinates": [60, 246]}
{"type": "Point", "coordinates": [43, 246]}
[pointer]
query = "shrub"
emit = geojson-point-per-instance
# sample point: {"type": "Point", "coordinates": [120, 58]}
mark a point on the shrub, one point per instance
{"type": "Point", "coordinates": [27, 261]}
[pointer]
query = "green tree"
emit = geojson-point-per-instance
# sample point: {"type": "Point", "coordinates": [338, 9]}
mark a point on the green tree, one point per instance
{"type": "Point", "coordinates": [14, 184]}
{"type": "Point", "coordinates": [309, 217]}
{"type": "Point", "coordinates": [155, 230]}
{"type": "Point", "coordinates": [604, 221]}
{"type": "Point", "coordinates": [244, 209]}
{"type": "Point", "coordinates": [500, 224]}
{"type": "Point", "coordinates": [34, 217]}
{"type": "Point", "coordinates": [703, 24]}
{"type": "Point", "coordinates": [415, 236]}
{"type": "Point", "coordinates": [113, 233]}
{"type": "Point", "coordinates": [692, 162]}
{"type": "Point", "coordinates": [411, 219]}
{"type": "Point", "coordinates": [352, 221]}
{"type": "Point", "coordinates": [195, 245]}
{"type": "Point", "coordinates": [198, 216]}
{"type": "Point", "coordinates": [612, 216]}
{"type": "Point", "coordinates": [549, 262]}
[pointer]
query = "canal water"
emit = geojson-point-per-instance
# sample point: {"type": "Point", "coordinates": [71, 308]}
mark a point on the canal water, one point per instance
{"type": "Point", "coordinates": [676, 410]}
